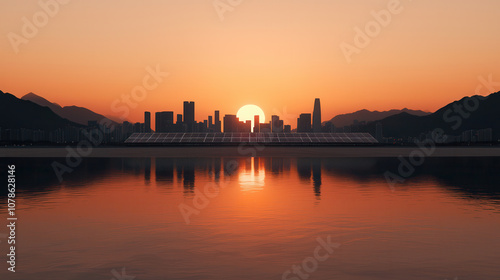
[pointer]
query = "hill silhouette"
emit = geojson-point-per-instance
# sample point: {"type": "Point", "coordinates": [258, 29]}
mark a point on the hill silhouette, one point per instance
{"type": "Point", "coordinates": [369, 116]}
{"type": "Point", "coordinates": [76, 114]}
{"type": "Point", "coordinates": [18, 113]}
{"type": "Point", "coordinates": [448, 118]}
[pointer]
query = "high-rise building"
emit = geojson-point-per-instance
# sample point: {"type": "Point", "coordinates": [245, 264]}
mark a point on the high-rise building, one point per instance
{"type": "Point", "coordinates": [287, 128]}
{"type": "Point", "coordinates": [217, 122]}
{"type": "Point", "coordinates": [245, 126]}
{"type": "Point", "coordinates": [304, 123]}
{"type": "Point", "coordinates": [230, 123]}
{"type": "Point", "coordinates": [189, 116]}
{"type": "Point", "coordinates": [164, 121]}
{"type": "Point", "coordinates": [137, 127]}
{"type": "Point", "coordinates": [178, 126]}
{"type": "Point", "coordinates": [210, 124]}
{"type": "Point", "coordinates": [276, 124]}
{"type": "Point", "coordinates": [265, 127]}
{"type": "Point", "coordinates": [256, 123]}
{"type": "Point", "coordinates": [317, 116]}
{"type": "Point", "coordinates": [147, 122]}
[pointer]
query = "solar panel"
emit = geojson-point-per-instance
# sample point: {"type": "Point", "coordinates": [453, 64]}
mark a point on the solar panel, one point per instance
{"type": "Point", "coordinates": [245, 137]}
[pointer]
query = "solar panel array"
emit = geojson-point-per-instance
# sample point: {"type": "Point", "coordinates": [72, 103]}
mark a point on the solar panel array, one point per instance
{"type": "Point", "coordinates": [245, 137]}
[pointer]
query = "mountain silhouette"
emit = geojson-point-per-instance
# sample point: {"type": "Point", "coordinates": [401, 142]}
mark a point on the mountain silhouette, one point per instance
{"type": "Point", "coordinates": [369, 116]}
{"type": "Point", "coordinates": [448, 118]}
{"type": "Point", "coordinates": [18, 113]}
{"type": "Point", "coordinates": [75, 114]}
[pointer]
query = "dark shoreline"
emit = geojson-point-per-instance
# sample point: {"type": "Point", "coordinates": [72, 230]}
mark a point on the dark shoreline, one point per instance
{"type": "Point", "coordinates": [248, 151]}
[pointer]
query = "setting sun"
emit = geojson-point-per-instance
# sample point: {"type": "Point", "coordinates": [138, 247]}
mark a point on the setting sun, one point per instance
{"type": "Point", "coordinates": [247, 113]}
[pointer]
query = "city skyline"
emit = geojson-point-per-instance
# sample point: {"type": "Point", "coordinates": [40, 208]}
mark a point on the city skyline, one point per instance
{"type": "Point", "coordinates": [235, 139]}
{"type": "Point", "coordinates": [187, 121]}
{"type": "Point", "coordinates": [273, 55]}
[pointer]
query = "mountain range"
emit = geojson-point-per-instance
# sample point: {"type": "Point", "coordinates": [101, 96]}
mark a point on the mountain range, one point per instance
{"type": "Point", "coordinates": [18, 113]}
{"type": "Point", "coordinates": [468, 113]}
{"type": "Point", "coordinates": [75, 114]}
{"type": "Point", "coordinates": [370, 116]}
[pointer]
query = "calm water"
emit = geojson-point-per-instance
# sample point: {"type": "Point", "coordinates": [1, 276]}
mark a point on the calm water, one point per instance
{"type": "Point", "coordinates": [254, 218]}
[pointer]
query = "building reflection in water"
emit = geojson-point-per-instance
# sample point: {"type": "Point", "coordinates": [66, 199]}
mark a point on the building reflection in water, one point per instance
{"type": "Point", "coordinates": [249, 172]}
{"type": "Point", "coordinates": [147, 170]}
{"type": "Point", "coordinates": [467, 177]}
{"type": "Point", "coordinates": [304, 169]}
{"type": "Point", "coordinates": [316, 177]}
{"type": "Point", "coordinates": [188, 171]}
{"type": "Point", "coordinates": [309, 168]}
{"type": "Point", "coordinates": [164, 170]}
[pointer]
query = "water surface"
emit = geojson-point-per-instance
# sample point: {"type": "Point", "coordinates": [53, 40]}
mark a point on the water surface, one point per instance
{"type": "Point", "coordinates": [254, 218]}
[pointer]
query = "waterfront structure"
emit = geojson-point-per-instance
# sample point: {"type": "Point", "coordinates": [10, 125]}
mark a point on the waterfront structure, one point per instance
{"type": "Point", "coordinates": [316, 122]}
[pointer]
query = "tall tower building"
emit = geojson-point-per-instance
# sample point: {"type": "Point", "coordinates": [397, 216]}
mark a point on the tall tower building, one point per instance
{"type": "Point", "coordinates": [189, 116]}
{"type": "Point", "coordinates": [256, 123]}
{"type": "Point", "coordinates": [179, 127]}
{"type": "Point", "coordinates": [217, 122]}
{"type": "Point", "coordinates": [316, 123]}
{"type": "Point", "coordinates": [210, 124]}
{"type": "Point", "coordinates": [147, 122]}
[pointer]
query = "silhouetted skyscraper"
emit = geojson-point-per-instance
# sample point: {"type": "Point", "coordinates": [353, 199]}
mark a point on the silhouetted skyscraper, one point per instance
{"type": "Point", "coordinates": [304, 123]}
{"type": "Point", "coordinates": [217, 123]}
{"type": "Point", "coordinates": [256, 123]}
{"type": "Point", "coordinates": [317, 116]}
{"type": "Point", "coordinates": [189, 116]}
{"type": "Point", "coordinates": [138, 127]}
{"type": "Point", "coordinates": [265, 127]}
{"type": "Point", "coordinates": [164, 121]}
{"type": "Point", "coordinates": [245, 127]}
{"type": "Point", "coordinates": [230, 123]}
{"type": "Point", "coordinates": [276, 124]}
{"type": "Point", "coordinates": [178, 126]}
{"type": "Point", "coordinates": [147, 122]}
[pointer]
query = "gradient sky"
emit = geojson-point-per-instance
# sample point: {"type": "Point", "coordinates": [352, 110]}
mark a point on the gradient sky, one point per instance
{"type": "Point", "coordinates": [279, 55]}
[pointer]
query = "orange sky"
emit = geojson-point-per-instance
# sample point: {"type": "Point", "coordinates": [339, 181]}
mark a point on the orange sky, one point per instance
{"type": "Point", "coordinates": [279, 55]}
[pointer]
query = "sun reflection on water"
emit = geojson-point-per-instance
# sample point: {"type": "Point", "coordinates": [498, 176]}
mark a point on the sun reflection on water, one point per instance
{"type": "Point", "coordinates": [252, 179]}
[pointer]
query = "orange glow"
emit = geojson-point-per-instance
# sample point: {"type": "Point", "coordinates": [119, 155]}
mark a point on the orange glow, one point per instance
{"type": "Point", "coordinates": [266, 205]}
{"type": "Point", "coordinates": [279, 55]}
{"type": "Point", "coordinates": [248, 112]}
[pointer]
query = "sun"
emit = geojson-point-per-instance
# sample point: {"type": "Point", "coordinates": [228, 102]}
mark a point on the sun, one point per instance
{"type": "Point", "coordinates": [247, 113]}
